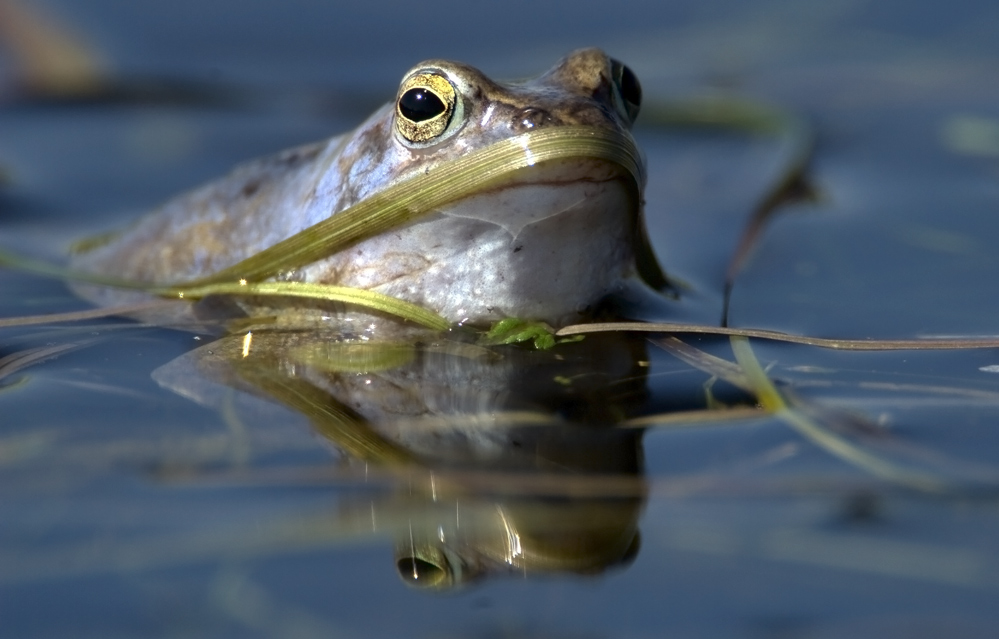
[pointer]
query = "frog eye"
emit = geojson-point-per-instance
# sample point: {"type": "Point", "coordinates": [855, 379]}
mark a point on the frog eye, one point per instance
{"type": "Point", "coordinates": [629, 91]}
{"type": "Point", "coordinates": [426, 105]}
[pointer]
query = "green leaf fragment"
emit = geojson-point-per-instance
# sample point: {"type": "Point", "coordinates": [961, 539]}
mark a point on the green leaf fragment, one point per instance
{"type": "Point", "coordinates": [513, 330]}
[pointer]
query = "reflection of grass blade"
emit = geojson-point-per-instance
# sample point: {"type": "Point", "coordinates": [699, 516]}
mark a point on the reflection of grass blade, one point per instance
{"type": "Point", "coordinates": [483, 421]}
{"type": "Point", "coordinates": [715, 366]}
{"type": "Point", "coordinates": [771, 400]}
{"type": "Point", "coordinates": [968, 473]}
{"type": "Point", "coordinates": [355, 357]}
{"type": "Point", "coordinates": [203, 545]}
{"type": "Point", "coordinates": [23, 359]}
{"type": "Point", "coordinates": [331, 419]}
{"type": "Point", "coordinates": [692, 418]}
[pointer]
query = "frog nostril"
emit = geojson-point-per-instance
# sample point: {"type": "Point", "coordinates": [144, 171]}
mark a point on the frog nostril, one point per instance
{"type": "Point", "coordinates": [530, 118]}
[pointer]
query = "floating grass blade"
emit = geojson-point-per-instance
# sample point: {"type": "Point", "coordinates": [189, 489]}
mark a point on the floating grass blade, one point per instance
{"type": "Point", "coordinates": [926, 344]}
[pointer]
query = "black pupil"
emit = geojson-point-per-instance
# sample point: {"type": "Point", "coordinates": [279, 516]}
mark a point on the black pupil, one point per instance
{"type": "Point", "coordinates": [631, 90]}
{"type": "Point", "coordinates": [420, 105]}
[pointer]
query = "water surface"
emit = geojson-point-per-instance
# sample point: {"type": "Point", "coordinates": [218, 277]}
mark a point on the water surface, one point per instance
{"type": "Point", "coordinates": [139, 500]}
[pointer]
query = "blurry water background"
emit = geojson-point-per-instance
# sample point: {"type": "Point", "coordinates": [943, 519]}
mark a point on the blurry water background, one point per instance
{"type": "Point", "coordinates": [128, 510]}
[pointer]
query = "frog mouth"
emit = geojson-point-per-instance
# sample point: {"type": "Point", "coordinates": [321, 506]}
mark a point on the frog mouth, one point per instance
{"type": "Point", "coordinates": [489, 167]}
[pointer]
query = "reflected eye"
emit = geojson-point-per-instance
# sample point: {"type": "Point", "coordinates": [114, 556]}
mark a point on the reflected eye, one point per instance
{"type": "Point", "coordinates": [425, 107]}
{"type": "Point", "coordinates": [418, 573]}
{"type": "Point", "coordinates": [628, 88]}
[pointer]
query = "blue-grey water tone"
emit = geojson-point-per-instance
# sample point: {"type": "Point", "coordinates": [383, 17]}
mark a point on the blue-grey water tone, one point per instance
{"type": "Point", "coordinates": [151, 488]}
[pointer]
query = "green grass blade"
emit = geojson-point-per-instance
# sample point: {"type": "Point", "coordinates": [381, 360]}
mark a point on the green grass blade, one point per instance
{"type": "Point", "coordinates": [771, 400]}
{"type": "Point", "coordinates": [356, 296]}
{"type": "Point", "coordinates": [420, 195]}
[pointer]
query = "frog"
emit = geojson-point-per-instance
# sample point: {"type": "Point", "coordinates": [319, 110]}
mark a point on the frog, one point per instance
{"type": "Point", "coordinates": [545, 244]}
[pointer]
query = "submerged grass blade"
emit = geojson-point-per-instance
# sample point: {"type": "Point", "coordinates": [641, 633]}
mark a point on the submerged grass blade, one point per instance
{"type": "Point", "coordinates": [772, 400]}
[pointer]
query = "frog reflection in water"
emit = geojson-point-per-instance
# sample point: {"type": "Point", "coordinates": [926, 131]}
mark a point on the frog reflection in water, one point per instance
{"type": "Point", "coordinates": [545, 243]}
{"type": "Point", "coordinates": [512, 460]}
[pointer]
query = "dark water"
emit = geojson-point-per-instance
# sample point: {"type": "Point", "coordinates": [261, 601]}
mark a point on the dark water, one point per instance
{"type": "Point", "coordinates": [127, 509]}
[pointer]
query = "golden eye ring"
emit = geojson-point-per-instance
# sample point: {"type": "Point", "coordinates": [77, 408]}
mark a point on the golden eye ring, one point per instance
{"type": "Point", "coordinates": [425, 107]}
